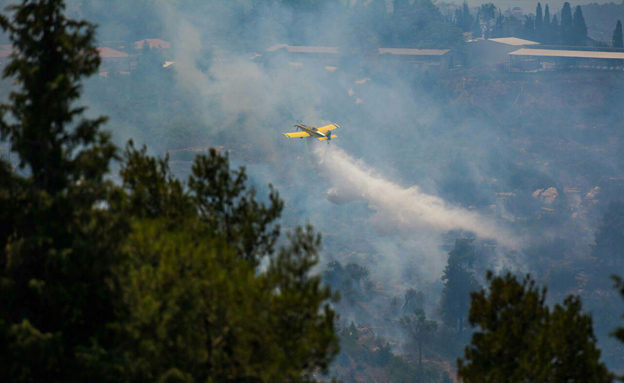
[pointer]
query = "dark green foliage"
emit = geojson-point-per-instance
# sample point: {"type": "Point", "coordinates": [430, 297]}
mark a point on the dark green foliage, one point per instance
{"type": "Point", "coordinates": [619, 332]}
{"type": "Point", "coordinates": [420, 24]}
{"type": "Point", "coordinates": [459, 281]}
{"type": "Point", "coordinates": [567, 32]}
{"type": "Point", "coordinates": [539, 22]}
{"type": "Point", "coordinates": [609, 240]}
{"type": "Point", "coordinates": [520, 339]}
{"type": "Point", "coordinates": [152, 190]}
{"type": "Point", "coordinates": [52, 55]}
{"type": "Point", "coordinates": [179, 290]}
{"type": "Point", "coordinates": [579, 28]}
{"type": "Point", "coordinates": [546, 32]}
{"type": "Point", "coordinates": [546, 23]}
{"type": "Point", "coordinates": [555, 32]}
{"type": "Point", "coordinates": [351, 281]}
{"type": "Point", "coordinates": [57, 247]}
{"type": "Point", "coordinates": [463, 18]}
{"type": "Point", "coordinates": [230, 209]}
{"type": "Point", "coordinates": [477, 32]}
{"type": "Point", "coordinates": [151, 280]}
{"type": "Point", "coordinates": [617, 36]}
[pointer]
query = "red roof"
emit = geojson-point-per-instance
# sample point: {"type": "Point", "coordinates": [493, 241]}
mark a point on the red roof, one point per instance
{"type": "Point", "coordinates": [5, 54]}
{"type": "Point", "coordinates": [153, 43]}
{"type": "Point", "coordinates": [108, 53]}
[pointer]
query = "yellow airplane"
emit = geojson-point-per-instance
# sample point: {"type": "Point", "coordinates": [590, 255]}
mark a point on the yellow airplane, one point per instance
{"type": "Point", "coordinates": [323, 133]}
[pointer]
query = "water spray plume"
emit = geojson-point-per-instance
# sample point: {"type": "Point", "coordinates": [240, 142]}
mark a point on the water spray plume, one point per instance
{"type": "Point", "coordinates": [398, 209]}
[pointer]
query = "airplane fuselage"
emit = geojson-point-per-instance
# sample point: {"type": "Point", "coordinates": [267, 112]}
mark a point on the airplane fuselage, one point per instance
{"type": "Point", "coordinates": [312, 131]}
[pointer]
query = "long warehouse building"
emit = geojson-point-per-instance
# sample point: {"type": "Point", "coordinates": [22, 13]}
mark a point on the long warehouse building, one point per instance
{"type": "Point", "coordinates": [544, 59]}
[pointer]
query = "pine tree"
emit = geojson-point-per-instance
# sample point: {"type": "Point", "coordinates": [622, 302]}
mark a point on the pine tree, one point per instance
{"type": "Point", "coordinates": [617, 36]}
{"type": "Point", "coordinates": [520, 339]}
{"type": "Point", "coordinates": [619, 332]}
{"type": "Point", "coordinates": [420, 329]}
{"type": "Point", "coordinates": [546, 27]}
{"type": "Point", "coordinates": [57, 248]}
{"type": "Point", "coordinates": [529, 27]}
{"type": "Point", "coordinates": [154, 279]}
{"type": "Point", "coordinates": [567, 32]}
{"type": "Point", "coordinates": [477, 31]}
{"type": "Point", "coordinates": [579, 28]}
{"type": "Point", "coordinates": [538, 21]}
{"type": "Point", "coordinates": [466, 18]}
{"type": "Point", "coordinates": [459, 281]}
{"type": "Point", "coordinates": [555, 31]}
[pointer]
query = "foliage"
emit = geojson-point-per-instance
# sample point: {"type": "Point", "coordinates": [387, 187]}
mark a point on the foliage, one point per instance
{"type": "Point", "coordinates": [572, 31]}
{"type": "Point", "coordinates": [619, 332]}
{"type": "Point", "coordinates": [463, 18]}
{"type": "Point", "coordinates": [459, 281]}
{"type": "Point", "coordinates": [151, 280]}
{"type": "Point", "coordinates": [520, 339]}
{"type": "Point", "coordinates": [351, 280]}
{"type": "Point", "coordinates": [566, 24]}
{"type": "Point", "coordinates": [420, 329]}
{"type": "Point", "coordinates": [579, 28]}
{"type": "Point", "coordinates": [617, 36]}
{"type": "Point", "coordinates": [372, 359]}
{"type": "Point", "coordinates": [179, 290]}
{"type": "Point", "coordinates": [57, 246]}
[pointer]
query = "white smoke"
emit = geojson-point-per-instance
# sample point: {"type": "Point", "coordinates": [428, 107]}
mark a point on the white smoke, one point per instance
{"type": "Point", "coordinates": [398, 209]}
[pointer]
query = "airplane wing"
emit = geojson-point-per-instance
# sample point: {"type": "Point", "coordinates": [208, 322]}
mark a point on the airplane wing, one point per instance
{"type": "Point", "coordinates": [324, 138]}
{"type": "Point", "coordinates": [327, 128]}
{"type": "Point", "coordinates": [296, 135]}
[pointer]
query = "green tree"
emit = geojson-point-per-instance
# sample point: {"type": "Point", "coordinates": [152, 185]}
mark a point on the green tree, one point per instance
{"type": "Point", "coordinates": [57, 244]}
{"type": "Point", "coordinates": [463, 18]}
{"type": "Point", "coordinates": [539, 22]}
{"type": "Point", "coordinates": [619, 332]}
{"type": "Point", "coordinates": [609, 239]}
{"type": "Point", "coordinates": [617, 36]}
{"type": "Point", "coordinates": [520, 339]}
{"type": "Point", "coordinates": [555, 31]}
{"type": "Point", "coordinates": [487, 12]}
{"type": "Point", "coordinates": [546, 32]}
{"type": "Point", "coordinates": [185, 270]}
{"type": "Point", "coordinates": [420, 330]}
{"type": "Point", "coordinates": [477, 31]}
{"type": "Point", "coordinates": [579, 28]}
{"type": "Point", "coordinates": [197, 311]}
{"type": "Point", "coordinates": [459, 281]}
{"type": "Point", "coordinates": [567, 32]}
{"type": "Point", "coordinates": [151, 280]}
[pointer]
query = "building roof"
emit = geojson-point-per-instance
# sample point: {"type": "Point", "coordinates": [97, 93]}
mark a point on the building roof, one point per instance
{"type": "Point", "coordinates": [4, 54]}
{"type": "Point", "coordinates": [109, 53]}
{"type": "Point", "coordinates": [513, 41]}
{"type": "Point", "coordinates": [311, 49]}
{"type": "Point", "coordinates": [413, 52]}
{"type": "Point", "coordinates": [153, 43]}
{"type": "Point", "coordinates": [572, 54]}
{"type": "Point", "coordinates": [303, 49]}
{"type": "Point", "coordinates": [276, 47]}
